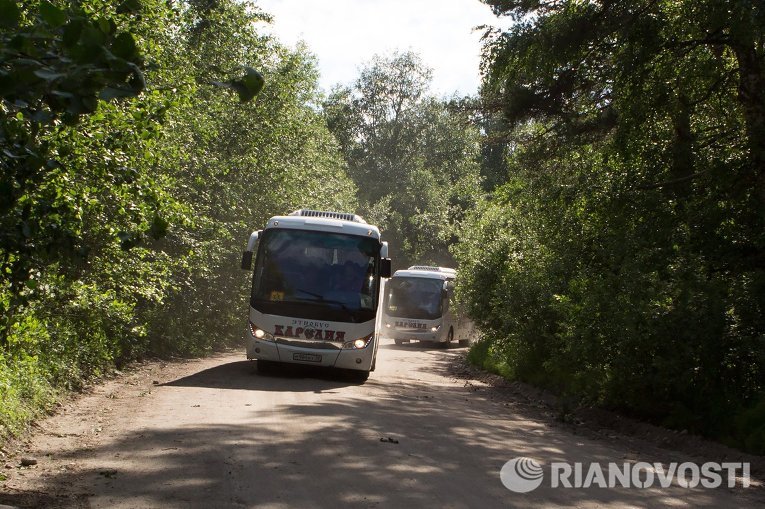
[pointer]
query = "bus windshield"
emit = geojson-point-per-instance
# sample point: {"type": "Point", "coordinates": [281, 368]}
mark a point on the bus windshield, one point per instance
{"type": "Point", "coordinates": [413, 297]}
{"type": "Point", "coordinates": [313, 274]}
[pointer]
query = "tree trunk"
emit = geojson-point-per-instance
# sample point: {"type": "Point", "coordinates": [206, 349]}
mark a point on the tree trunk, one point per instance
{"type": "Point", "coordinates": [751, 95]}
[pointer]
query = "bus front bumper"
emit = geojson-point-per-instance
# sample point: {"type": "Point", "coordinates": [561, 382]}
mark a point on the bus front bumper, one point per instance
{"type": "Point", "coordinates": [358, 359]}
{"type": "Point", "coordinates": [415, 336]}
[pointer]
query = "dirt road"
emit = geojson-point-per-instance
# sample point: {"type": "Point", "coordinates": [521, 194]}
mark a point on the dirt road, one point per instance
{"type": "Point", "coordinates": [211, 433]}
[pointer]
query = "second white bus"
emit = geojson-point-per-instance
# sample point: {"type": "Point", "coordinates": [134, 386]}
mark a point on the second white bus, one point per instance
{"type": "Point", "coordinates": [417, 307]}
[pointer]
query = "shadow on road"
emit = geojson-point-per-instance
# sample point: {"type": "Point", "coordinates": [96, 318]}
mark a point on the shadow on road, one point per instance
{"type": "Point", "coordinates": [329, 453]}
{"type": "Point", "coordinates": [406, 444]}
{"type": "Point", "coordinates": [243, 375]}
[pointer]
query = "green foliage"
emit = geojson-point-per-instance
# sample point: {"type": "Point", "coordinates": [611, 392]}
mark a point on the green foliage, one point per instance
{"type": "Point", "coordinates": [749, 428]}
{"type": "Point", "coordinates": [622, 262]}
{"type": "Point", "coordinates": [413, 158]}
{"type": "Point", "coordinates": [54, 65]}
{"type": "Point", "coordinates": [235, 168]}
{"type": "Point", "coordinates": [24, 388]}
{"type": "Point", "coordinates": [248, 86]}
{"type": "Point", "coordinates": [129, 184]}
{"type": "Point", "coordinates": [480, 354]}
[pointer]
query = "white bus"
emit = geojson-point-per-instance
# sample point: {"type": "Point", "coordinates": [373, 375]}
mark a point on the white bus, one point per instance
{"type": "Point", "coordinates": [417, 307]}
{"type": "Point", "coordinates": [316, 291]}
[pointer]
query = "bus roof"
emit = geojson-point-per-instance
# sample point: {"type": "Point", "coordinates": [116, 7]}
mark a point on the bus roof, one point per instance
{"type": "Point", "coordinates": [426, 271]}
{"type": "Point", "coordinates": [318, 220]}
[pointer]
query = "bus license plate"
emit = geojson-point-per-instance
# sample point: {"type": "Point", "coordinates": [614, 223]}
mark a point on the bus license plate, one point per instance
{"type": "Point", "coordinates": [306, 357]}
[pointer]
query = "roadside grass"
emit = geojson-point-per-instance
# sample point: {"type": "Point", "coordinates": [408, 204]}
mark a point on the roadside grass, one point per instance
{"type": "Point", "coordinates": [481, 355]}
{"type": "Point", "coordinates": [26, 394]}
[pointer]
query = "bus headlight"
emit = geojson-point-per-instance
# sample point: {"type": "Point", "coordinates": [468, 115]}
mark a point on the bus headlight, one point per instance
{"type": "Point", "coordinates": [358, 344]}
{"type": "Point", "coordinates": [435, 329]}
{"type": "Point", "coordinates": [259, 333]}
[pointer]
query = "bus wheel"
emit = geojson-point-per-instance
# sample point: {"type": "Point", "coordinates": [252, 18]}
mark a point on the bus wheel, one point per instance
{"type": "Point", "coordinates": [399, 341]}
{"type": "Point", "coordinates": [359, 376]}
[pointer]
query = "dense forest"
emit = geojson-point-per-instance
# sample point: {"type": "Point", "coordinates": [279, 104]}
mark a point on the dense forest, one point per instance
{"type": "Point", "coordinates": [603, 196]}
{"type": "Point", "coordinates": [136, 161]}
{"type": "Point", "coordinates": [622, 261]}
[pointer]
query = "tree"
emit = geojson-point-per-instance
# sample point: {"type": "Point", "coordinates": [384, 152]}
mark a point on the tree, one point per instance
{"type": "Point", "coordinates": [136, 176]}
{"type": "Point", "coordinates": [635, 184]}
{"type": "Point", "coordinates": [54, 66]}
{"type": "Point", "coordinates": [68, 79]}
{"type": "Point", "coordinates": [412, 157]}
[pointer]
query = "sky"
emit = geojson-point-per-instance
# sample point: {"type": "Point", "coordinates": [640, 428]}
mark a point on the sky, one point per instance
{"type": "Point", "coordinates": [345, 34]}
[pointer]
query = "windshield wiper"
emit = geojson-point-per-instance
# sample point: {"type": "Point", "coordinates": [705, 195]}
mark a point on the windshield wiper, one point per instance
{"type": "Point", "coordinates": [321, 298]}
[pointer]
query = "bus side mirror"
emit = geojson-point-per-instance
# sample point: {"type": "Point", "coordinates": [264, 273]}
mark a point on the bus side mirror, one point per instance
{"type": "Point", "coordinates": [246, 260]}
{"type": "Point", "coordinates": [385, 267]}
{"type": "Point", "coordinates": [247, 254]}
